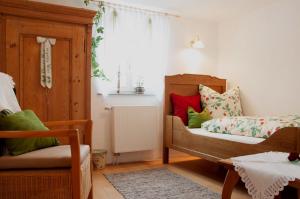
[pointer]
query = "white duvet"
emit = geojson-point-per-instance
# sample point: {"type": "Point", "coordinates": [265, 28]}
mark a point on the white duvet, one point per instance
{"type": "Point", "coordinates": [235, 138]}
{"type": "Point", "coordinates": [259, 127]}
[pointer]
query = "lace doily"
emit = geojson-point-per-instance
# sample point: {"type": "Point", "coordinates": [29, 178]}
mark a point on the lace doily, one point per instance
{"type": "Point", "coordinates": [266, 174]}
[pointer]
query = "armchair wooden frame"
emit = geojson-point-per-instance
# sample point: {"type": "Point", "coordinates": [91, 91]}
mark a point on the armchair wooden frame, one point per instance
{"type": "Point", "coordinates": [73, 138]}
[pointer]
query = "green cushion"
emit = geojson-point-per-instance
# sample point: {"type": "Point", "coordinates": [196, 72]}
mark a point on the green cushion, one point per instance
{"type": "Point", "coordinates": [196, 119]}
{"type": "Point", "coordinates": [25, 121]}
{"type": "Point", "coordinates": [2, 147]}
{"type": "Point", "coordinates": [3, 113]}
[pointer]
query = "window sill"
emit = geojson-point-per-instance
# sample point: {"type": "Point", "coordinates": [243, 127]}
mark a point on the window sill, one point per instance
{"type": "Point", "coordinates": [128, 93]}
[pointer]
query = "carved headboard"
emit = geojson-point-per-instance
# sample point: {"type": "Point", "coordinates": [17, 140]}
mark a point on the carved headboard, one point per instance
{"type": "Point", "coordinates": [188, 84]}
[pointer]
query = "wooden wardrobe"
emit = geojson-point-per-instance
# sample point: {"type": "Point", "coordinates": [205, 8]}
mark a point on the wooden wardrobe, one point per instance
{"type": "Point", "coordinates": [21, 22]}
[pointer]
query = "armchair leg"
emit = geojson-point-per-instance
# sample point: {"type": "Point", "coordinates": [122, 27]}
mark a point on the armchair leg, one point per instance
{"type": "Point", "coordinates": [166, 155]}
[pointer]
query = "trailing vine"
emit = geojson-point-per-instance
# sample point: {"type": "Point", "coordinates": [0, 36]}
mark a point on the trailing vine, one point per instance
{"type": "Point", "coordinates": [97, 71]}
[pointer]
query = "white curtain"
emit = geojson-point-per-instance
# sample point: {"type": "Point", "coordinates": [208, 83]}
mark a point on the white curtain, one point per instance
{"type": "Point", "coordinates": [137, 42]}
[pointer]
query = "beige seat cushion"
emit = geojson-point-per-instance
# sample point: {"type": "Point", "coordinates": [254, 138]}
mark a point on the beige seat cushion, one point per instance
{"type": "Point", "coordinates": [52, 157]}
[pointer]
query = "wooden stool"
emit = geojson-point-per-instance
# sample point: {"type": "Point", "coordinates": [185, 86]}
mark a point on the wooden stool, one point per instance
{"type": "Point", "coordinates": [232, 178]}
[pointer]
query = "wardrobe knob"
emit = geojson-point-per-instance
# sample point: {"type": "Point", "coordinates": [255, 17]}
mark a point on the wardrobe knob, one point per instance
{"type": "Point", "coordinates": [76, 79]}
{"type": "Point", "coordinates": [76, 105]}
{"type": "Point", "coordinates": [13, 45]}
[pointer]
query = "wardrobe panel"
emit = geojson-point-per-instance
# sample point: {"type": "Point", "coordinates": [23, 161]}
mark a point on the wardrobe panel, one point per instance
{"type": "Point", "coordinates": [33, 95]}
{"type": "Point", "coordinates": [79, 71]}
{"type": "Point", "coordinates": [59, 102]}
{"type": "Point", "coordinates": [2, 43]}
{"type": "Point", "coordinates": [12, 49]}
{"type": "Point", "coordinates": [59, 96]}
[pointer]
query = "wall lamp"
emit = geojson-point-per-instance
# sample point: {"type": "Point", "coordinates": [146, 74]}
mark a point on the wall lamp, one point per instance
{"type": "Point", "coordinates": [197, 43]}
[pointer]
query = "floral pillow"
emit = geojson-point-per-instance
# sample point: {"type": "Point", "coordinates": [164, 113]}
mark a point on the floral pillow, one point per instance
{"type": "Point", "coordinates": [221, 105]}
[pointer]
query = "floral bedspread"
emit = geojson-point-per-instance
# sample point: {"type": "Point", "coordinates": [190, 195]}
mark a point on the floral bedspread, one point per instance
{"type": "Point", "coordinates": [261, 127]}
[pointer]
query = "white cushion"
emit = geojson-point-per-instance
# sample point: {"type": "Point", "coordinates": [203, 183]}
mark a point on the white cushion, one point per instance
{"type": "Point", "coordinates": [52, 157]}
{"type": "Point", "coordinates": [8, 98]}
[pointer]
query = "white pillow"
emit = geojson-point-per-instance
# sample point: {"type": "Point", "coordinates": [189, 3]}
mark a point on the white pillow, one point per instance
{"type": "Point", "coordinates": [221, 105]}
{"type": "Point", "coordinates": [8, 99]}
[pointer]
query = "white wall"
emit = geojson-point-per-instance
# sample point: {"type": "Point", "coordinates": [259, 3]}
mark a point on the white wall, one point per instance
{"type": "Point", "coordinates": [181, 61]}
{"type": "Point", "coordinates": [187, 60]}
{"type": "Point", "coordinates": [260, 52]}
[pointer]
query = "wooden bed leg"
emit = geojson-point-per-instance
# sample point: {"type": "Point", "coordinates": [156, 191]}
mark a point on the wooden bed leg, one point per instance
{"type": "Point", "coordinates": [91, 194]}
{"type": "Point", "coordinates": [166, 155]}
{"type": "Point", "coordinates": [231, 180]}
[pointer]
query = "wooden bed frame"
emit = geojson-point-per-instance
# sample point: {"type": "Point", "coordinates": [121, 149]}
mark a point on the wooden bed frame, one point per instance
{"type": "Point", "coordinates": [177, 137]}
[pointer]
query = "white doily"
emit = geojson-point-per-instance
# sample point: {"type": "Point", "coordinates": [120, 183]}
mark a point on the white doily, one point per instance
{"type": "Point", "coordinates": [266, 174]}
{"type": "Point", "coordinates": [45, 60]}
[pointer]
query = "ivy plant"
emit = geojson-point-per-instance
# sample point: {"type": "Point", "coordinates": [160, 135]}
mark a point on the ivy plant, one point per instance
{"type": "Point", "coordinates": [97, 71]}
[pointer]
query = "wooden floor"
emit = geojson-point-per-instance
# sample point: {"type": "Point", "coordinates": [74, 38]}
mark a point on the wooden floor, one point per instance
{"type": "Point", "coordinates": [197, 170]}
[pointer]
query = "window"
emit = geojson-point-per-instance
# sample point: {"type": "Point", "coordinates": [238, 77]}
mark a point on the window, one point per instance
{"type": "Point", "coordinates": [136, 43]}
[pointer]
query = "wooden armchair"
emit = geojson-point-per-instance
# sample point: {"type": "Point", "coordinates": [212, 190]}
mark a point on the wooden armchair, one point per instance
{"type": "Point", "coordinates": [63, 175]}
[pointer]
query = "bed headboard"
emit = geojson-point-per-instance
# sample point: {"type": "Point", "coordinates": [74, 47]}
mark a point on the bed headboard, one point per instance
{"type": "Point", "coordinates": [188, 84]}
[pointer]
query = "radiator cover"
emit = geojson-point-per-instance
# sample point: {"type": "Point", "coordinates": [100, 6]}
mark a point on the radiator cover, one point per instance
{"type": "Point", "coordinates": [134, 128]}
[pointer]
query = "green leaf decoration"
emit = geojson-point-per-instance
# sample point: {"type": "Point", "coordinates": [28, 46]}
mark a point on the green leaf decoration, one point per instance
{"type": "Point", "coordinates": [97, 70]}
{"type": "Point", "coordinates": [86, 2]}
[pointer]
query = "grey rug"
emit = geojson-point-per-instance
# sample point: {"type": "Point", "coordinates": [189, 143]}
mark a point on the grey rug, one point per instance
{"type": "Point", "coordinates": [158, 184]}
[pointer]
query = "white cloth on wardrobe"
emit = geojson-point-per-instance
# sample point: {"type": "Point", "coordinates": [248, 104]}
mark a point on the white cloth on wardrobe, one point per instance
{"type": "Point", "coordinates": [46, 63]}
{"type": "Point", "coordinates": [8, 98]}
{"type": "Point", "coordinates": [266, 174]}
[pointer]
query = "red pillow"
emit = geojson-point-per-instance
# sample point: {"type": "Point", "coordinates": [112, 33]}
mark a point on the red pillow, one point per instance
{"type": "Point", "coordinates": [180, 105]}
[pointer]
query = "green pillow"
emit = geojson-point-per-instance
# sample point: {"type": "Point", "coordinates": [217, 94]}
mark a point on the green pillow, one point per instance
{"type": "Point", "coordinates": [3, 113]}
{"type": "Point", "coordinates": [196, 119]}
{"type": "Point", "coordinates": [2, 147]}
{"type": "Point", "coordinates": [25, 121]}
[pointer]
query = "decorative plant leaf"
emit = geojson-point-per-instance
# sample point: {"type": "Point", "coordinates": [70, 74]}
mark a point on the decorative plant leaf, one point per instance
{"type": "Point", "coordinates": [97, 71]}
{"type": "Point", "coordinates": [86, 2]}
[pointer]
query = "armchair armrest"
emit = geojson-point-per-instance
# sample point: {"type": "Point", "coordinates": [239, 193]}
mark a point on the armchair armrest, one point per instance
{"type": "Point", "coordinates": [68, 123]}
{"type": "Point", "coordinates": [29, 134]}
{"type": "Point", "coordinates": [73, 136]}
{"type": "Point", "coordinates": [86, 123]}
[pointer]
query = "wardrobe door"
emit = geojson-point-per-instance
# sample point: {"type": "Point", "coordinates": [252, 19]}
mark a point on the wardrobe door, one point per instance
{"type": "Point", "coordinates": [31, 94]}
{"type": "Point", "coordinates": [65, 100]}
{"type": "Point", "coordinates": [2, 43]}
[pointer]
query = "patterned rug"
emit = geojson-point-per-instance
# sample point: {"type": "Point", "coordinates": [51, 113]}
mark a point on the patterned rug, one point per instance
{"type": "Point", "coordinates": [158, 184]}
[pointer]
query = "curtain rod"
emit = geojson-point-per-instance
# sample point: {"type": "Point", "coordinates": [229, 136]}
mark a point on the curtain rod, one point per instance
{"type": "Point", "coordinates": [135, 8]}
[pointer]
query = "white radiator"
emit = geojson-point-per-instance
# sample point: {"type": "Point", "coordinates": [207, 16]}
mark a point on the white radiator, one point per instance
{"type": "Point", "coordinates": [134, 128]}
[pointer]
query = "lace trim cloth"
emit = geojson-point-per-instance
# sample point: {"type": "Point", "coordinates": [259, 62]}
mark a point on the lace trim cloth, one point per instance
{"type": "Point", "coordinates": [266, 174]}
{"type": "Point", "coordinates": [45, 62]}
